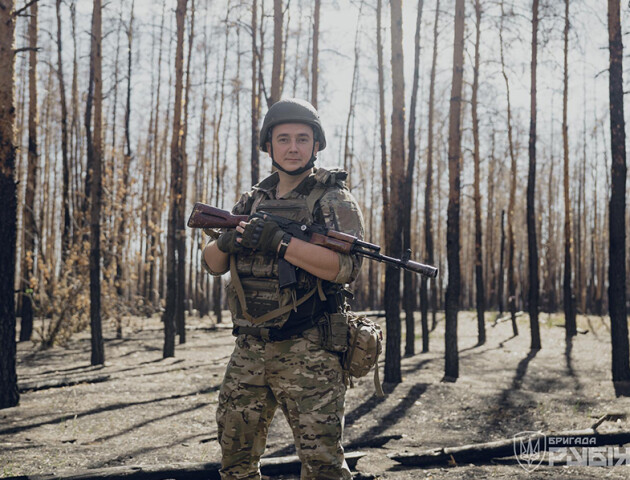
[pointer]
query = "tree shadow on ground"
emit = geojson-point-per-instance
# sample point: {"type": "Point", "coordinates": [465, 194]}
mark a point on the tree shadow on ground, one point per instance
{"type": "Point", "coordinates": [388, 420]}
{"type": "Point", "coordinates": [107, 408]}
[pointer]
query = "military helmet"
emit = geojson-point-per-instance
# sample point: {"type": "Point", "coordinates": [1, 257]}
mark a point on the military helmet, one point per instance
{"type": "Point", "coordinates": [291, 110]}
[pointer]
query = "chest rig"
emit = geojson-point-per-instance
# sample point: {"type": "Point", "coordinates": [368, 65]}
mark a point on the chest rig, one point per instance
{"type": "Point", "coordinates": [254, 294]}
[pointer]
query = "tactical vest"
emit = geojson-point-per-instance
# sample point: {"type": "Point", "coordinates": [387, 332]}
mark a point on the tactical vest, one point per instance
{"type": "Point", "coordinates": [253, 293]}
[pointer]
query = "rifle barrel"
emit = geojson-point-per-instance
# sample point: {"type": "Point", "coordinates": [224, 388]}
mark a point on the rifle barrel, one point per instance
{"type": "Point", "coordinates": [416, 267]}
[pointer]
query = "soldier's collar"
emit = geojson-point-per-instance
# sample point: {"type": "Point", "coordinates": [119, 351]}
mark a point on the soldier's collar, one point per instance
{"type": "Point", "coordinates": [270, 183]}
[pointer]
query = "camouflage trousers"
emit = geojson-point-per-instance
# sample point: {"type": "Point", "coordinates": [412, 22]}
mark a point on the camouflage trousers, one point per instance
{"type": "Point", "coordinates": [301, 378]}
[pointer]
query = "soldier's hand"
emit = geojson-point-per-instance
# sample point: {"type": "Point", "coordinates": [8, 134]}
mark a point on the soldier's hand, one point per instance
{"type": "Point", "coordinates": [227, 242]}
{"type": "Point", "coordinates": [262, 235]}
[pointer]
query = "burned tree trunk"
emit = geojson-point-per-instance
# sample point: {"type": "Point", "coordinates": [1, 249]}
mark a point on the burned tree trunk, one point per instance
{"type": "Point", "coordinates": [254, 160]}
{"type": "Point", "coordinates": [451, 367]}
{"type": "Point", "coordinates": [278, 54]}
{"type": "Point", "coordinates": [9, 396]}
{"type": "Point", "coordinates": [617, 220]}
{"type": "Point", "coordinates": [511, 280]}
{"type": "Point", "coordinates": [315, 64]}
{"type": "Point", "coordinates": [28, 220]}
{"type": "Point", "coordinates": [428, 202]}
{"type": "Point", "coordinates": [382, 118]}
{"type": "Point", "coordinates": [65, 236]}
{"type": "Point", "coordinates": [175, 191]}
{"type": "Point", "coordinates": [532, 244]}
{"type": "Point", "coordinates": [394, 239]}
{"type": "Point", "coordinates": [409, 296]}
{"type": "Point", "coordinates": [480, 293]}
{"type": "Point", "coordinates": [568, 300]}
{"type": "Point", "coordinates": [96, 192]}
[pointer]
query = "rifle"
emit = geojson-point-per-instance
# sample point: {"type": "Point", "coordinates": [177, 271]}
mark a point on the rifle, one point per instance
{"type": "Point", "coordinates": [205, 216]}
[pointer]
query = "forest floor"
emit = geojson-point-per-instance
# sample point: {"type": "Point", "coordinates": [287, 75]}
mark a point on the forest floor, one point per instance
{"type": "Point", "coordinates": [149, 411]}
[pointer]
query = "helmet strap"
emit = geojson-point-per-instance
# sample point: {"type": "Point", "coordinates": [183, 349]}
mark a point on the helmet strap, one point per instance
{"type": "Point", "coordinates": [299, 171]}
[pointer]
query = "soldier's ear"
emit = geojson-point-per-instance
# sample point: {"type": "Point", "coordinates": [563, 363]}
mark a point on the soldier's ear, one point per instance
{"type": "Point", "coordinates": [316, 147]}
{"type": "Point", "coordinates": [268, 145]}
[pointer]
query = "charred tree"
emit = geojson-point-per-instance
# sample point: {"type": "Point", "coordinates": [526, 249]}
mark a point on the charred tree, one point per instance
{"type": "Point", "coordinates": [511, 279]}
{"type": "Point", "coordinates": [176, 186]}
{"type": "Point", "coordinates": [480, 293]}
{"type": "Point", "coordinates": [65, 235]}
{"type": "Point", "coordinates": [29, 231]}
{"type": "Point", "coordinates": [451, 367]}
{"type": "Point", "coordinates": [254, 160]}
{"type": "Point", "coordinates": [9, 396]}
{"type": "Point", "coordinates": [96, 191]}
{"type": "Point", "coordinates": [277, 72]}
{"type": "Point", "coordinates": [617, 219]}
{"type": "Point", "coordinates": [532, 243]}
{"type": "Point", "coordinates": [394, 239]}
{"type": "Point", "coordinates": [409, 296]}
{"type": "Point", "coordinates": [428, 202]}
{"type": "Point", "coordinates": [315, 64]}
{"type": "Point", "coordinates": [568, 299]}
{"type": "Point", "coordinates": [382, 118]}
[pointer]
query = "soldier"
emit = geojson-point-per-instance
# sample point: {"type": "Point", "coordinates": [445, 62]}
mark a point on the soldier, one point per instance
{"type": "Point", "coordinates": [279, 359]}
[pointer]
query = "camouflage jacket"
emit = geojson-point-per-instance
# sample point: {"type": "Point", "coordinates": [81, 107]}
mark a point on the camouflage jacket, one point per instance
{"type": "Point", "coordinates": [335, 208]}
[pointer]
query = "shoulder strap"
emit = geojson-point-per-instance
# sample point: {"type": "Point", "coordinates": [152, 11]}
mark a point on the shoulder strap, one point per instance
{"type": "Point", "coordinates": [319, 190]}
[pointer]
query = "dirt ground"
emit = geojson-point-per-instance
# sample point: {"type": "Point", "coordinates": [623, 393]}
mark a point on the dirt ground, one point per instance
{"type": "Point", "coordinates": [150, 411]}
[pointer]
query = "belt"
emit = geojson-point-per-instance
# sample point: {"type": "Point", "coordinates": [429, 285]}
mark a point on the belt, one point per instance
{"type": "Point", "coordinates": [276, 334]}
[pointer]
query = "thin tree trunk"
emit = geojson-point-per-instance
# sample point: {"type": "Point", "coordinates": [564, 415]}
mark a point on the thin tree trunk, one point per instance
{"type": "Point", "coordinates": [76, 145]}
{"type": "Point", "coordinates": [568, 299]}
{"type": "Point", "coordinates": [512, 200]}
{"type": "Point", "coordinates": [394, 239]}
{"type": "Point", "coordinates": [617, 220]}
{"type": "Point", "coordinates": [29, 228]}
{"type": "Point", "coordinates": [347, 151]}
{"type": "Point", "coordinates": [409, 297]}
{"type": "Point", "coordinates": [531, 194]}
{"type": "Point", "coordinates": [96, 193]}
{"type": "Point", "coordinates": [278, 54]}
{"type": "Point", "coordinates": [122, 225]}
{"type": "Point", "coordinates": [9, 396]}
{"type": "Point", "coordinates": [254, 161]}
{"type": "Point", "coordinates": [239, 148]}
{"type": "Point", "coordinates": [65, 236]}
{"type": "Point", "coordinates": [501, 263]}
{"type": "Point", "coordinates": [451, 367]}
{"type": "Point", "coordinates": [428, 203]}
{"type": "Point", "coordinates": [382, 118]}
{"type": "Point", "coordinates": [490, 267]}
{"type": "Point", "coordinates": [172, 261]}
{"type": "Point", "coordinates": [480, 293]}
{"type": "Point", "coordinates": [315, 63]}
{"type": "Point", "coordinates": [180, 314]}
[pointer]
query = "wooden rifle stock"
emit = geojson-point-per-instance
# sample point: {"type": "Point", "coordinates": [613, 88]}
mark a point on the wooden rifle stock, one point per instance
{"type": "Point", "coordinates": [205, 216]}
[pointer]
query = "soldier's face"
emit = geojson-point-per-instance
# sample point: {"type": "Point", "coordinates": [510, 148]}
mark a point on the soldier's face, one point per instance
{"type": "Point", "coordinates": [292, 145]}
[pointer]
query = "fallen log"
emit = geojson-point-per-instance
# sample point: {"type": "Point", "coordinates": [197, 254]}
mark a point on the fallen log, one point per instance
{"type": "Point", "coordinates": [372, 313]}
{"type": "Point", "coordinates": [66, 381]}
{"type": "Point", "coordinates": [195, 471]}
{"type": "Point", "coordinates": [483, 452]}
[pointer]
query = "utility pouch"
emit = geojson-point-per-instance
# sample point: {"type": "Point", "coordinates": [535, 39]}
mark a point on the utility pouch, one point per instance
{"type": "Point", "coordinates": [365, 345]}
{"type": "Point", "coordinates": [333, 332]}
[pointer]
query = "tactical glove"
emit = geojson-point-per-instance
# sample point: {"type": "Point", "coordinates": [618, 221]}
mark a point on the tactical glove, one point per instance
{"type": "Point", "coordinates": [262, 235]}
{"type": "Point", "coordinates": [227, 242]}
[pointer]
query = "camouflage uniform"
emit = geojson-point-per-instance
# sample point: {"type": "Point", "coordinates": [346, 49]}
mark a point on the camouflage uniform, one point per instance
{"type": "Point", "coordinates": [299, 376]}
